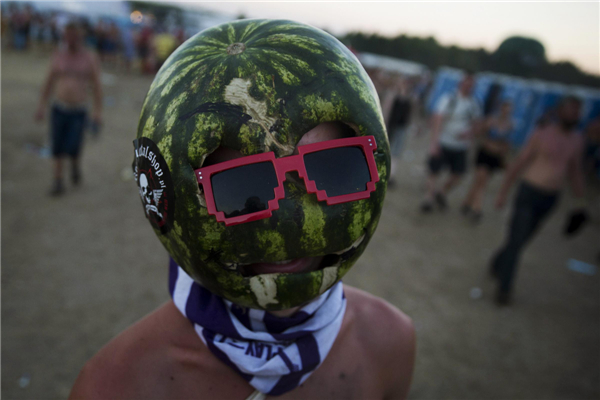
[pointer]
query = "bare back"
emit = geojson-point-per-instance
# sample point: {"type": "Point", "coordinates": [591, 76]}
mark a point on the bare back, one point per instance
{"type": "Point", "coordinates": [74, 73]}
{"type": "Point", "coordinates": [162, 357]}
{"type": "Point", "coordinates": [554, 151]}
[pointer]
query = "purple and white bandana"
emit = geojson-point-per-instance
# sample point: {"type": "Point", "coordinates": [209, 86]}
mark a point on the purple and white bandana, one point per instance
{"type": "Point", "coordinates": [273, 354]}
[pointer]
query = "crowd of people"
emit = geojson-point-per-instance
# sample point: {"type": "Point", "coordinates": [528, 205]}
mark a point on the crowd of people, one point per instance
{"type": "Point", "coordinates": [118, 43]}
{"type": "Point", "coordinates": [556, 154]}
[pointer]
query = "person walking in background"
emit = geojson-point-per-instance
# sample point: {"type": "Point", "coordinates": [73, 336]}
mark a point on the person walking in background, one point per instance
{"type": "Point", "coordinates": [421, 89]}
{"type": "Point", "coordinates": [144, 49]}
{"type": "Point", "coordinates": [127, 47]}
{"type": "Point", "coordinates": [552, 155]}
{"type": "Point", "coordinates": [490, 157]}
{"type": "Point", "coordinates": [54, 31]}
{"type": "Point", "coordinates": [112, 43]}
{"type": "Point", "coordinates": [101, 36]}
{"type": "Point", "coordinates": [455, 121]}
{"type": "Point", "coordinates": [71, 71]}
{"type": "Point", "coordinates": [397, 109]}
{"type": "Point", "coordinates": [89, 35]}
{"type": "Point", "coordinates": [382, 82]}
{"type": "Point", "coordinates": [21, 26]}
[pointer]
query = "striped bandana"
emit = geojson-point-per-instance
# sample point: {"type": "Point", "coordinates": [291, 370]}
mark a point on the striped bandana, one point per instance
{"type": "Point", "coordinates": [273, 354]}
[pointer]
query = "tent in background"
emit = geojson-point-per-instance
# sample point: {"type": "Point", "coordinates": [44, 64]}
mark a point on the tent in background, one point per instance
{"type": "Point", "coordinates": [391, 64]}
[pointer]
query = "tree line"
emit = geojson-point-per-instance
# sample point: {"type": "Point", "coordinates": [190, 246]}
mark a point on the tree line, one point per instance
{"type": "Point", "coordinates": [516, 55]}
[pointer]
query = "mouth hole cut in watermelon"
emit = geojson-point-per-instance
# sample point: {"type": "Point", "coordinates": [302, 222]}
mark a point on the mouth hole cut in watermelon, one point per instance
{"type": "Point", "coordinates": [328, 260]}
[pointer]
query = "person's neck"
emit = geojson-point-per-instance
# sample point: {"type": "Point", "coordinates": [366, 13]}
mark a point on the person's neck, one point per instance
{"type": "Point", "coordinates": [285, 313]}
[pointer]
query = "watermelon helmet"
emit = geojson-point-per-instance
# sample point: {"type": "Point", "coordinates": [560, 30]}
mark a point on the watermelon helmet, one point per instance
{"type": "Point", "coordinates": [256, 86]}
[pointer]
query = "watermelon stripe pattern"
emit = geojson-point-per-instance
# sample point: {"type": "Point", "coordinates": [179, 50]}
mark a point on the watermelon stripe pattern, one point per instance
{"type": "Point", "coordinates": [258, 86]}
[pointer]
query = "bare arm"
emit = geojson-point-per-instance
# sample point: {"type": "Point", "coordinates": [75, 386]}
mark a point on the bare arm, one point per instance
{"type": "Point", "coordinates": [402, 356]}
{"type": "Point", "coordinates": [47, 89]}
{"type": "Point", "coordinates": [478, 128]}
{"type": "Point", "coordinates": [485, 124]}
{"type": "Point", "coordinates": [437, 121]}
{"type": "Point", "coordinates": [385, 337]}
{"type": "Point", "coordinates": [524, 158]}
{"type": "Point", "coordinates": [488, 123]}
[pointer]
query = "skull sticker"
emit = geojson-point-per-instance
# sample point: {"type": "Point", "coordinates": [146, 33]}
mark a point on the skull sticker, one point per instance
{"type": "Point", "coordinates": [154, 181]}
{"type": "Point", "coordinates": [151, 203]}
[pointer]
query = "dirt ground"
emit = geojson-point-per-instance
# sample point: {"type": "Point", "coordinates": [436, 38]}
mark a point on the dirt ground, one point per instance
{"type": "Point", "coordinates": [77, 270]}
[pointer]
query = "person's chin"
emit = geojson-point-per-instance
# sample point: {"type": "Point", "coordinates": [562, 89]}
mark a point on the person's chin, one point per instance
{"type": "Point", "coordinates": [295, 266]}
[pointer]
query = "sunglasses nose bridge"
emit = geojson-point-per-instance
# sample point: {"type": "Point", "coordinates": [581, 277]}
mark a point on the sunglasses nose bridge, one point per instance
{"type": "Point", "coordinates": [289, 164]}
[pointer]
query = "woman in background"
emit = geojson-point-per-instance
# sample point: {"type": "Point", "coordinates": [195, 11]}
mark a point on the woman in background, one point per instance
{"type": "Point", "coordinates": [490, 157]}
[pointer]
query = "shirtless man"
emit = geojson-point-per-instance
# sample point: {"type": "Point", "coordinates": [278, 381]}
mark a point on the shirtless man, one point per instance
{"type": "Point", "coordinates": [72, 70]}
{"type": "Point", "coordinates": [553, 155]}
{"type": "Point", "coordinates": [161, 356]}
{"type": "Point", "coordinates": [276, 321]}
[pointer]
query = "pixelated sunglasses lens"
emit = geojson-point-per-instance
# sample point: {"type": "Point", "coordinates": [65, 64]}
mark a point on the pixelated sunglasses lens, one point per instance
{"type": "Point", "coordinates": [338, 171]}
{"type": "Point", "coordinates": [244, 190]}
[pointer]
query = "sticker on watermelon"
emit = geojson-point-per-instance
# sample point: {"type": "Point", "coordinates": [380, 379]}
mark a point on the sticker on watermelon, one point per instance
{"type": "Point", "coordinates": [153, 178]}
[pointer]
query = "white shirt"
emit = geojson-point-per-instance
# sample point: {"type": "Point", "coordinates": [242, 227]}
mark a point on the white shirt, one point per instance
{"type": "Point", "coordinates": [459, 113]}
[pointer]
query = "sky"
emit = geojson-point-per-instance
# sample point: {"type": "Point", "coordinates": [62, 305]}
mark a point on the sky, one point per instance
{"type": "Point", "coordinates": [569, 30]}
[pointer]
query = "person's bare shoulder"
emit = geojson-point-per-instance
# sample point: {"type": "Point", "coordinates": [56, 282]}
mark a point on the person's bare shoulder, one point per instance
{"type": "Point", "coordinates": [130, 364]}
{"type": "Point", "coordinates": [389, 335]}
